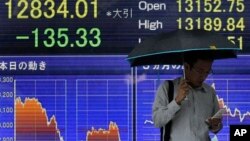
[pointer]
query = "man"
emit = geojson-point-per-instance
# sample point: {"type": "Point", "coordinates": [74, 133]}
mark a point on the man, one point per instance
{"type": "Point", "coordinates": [193, 102]}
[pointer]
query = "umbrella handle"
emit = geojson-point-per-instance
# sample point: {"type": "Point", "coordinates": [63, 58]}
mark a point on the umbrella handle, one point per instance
{"type": "Point", "coordinates": [184, 76]}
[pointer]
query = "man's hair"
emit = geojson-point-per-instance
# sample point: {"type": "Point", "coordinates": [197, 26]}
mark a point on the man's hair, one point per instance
{"type": "Point", "coordinates": [192, 57]}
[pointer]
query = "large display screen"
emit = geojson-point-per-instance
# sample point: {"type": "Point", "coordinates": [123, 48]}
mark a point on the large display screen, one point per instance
{"type": "Point", "coordinates": [112, 26]}
{"type": "Point", "coordinates": [64, 75]}
{"type": "Point", "coordinates": [88, 98]}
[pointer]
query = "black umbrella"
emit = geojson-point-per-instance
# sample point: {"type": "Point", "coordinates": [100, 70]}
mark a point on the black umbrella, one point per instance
{"type": "Point", "coordinates": [169, 48]}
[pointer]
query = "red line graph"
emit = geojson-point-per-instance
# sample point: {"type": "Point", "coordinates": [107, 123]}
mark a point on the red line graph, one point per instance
{"type": "Point", "coordinates": [112, 134]}
{"type": "Point", "coordinates": [32, 122]}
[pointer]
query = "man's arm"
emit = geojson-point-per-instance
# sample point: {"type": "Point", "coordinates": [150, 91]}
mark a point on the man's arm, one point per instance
{"type": "Point", "coordinates": [163, 110]}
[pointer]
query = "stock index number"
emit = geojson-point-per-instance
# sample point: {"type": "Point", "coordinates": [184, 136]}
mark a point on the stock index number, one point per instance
{"type": "Point", "coordinates": [59, 37]}
{"type": "Point", "coordinates": [211, 6]}
{"type": "Point", "coordinates": [212, 24]}
{"type": "Point", "coordinates": [48, 9]}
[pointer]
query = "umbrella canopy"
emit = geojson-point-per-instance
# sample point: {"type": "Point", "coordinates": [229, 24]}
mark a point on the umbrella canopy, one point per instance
{"type": "Point", "coordinates": [169, 48]}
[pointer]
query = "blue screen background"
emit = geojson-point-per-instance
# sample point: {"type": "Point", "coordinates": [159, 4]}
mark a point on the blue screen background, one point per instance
{"type": "Point", "coordinates": [85, 92]}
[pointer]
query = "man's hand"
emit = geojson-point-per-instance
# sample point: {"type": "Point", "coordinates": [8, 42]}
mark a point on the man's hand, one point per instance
{"type": "Point", "coordinates": [182, 92]}
{"type": "Point", "coordinates": [215, 124]}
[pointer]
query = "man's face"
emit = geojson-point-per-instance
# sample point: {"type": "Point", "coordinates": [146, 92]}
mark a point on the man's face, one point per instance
{"type": "Point", "coordinates": [198, 73]}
